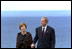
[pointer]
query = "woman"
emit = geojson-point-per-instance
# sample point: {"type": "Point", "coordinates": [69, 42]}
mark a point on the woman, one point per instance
{"type": "Point", "coordinates": [24, 39]}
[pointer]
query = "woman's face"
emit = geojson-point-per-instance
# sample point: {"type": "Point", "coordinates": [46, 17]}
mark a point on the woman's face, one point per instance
{"type": "Point", "coordinates": [23, 28]}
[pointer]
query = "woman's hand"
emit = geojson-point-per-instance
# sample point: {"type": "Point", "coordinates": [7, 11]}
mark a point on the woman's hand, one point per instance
{"type": "Point", "coordinates": [32, 45]}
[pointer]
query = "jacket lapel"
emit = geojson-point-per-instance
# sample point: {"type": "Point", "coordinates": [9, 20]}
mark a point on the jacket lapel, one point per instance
{"type": "Point", "coordinates": [40, 31]}
{"type": "Point", "coordinates": [47, 30]}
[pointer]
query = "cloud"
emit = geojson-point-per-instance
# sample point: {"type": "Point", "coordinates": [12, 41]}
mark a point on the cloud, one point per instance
{"type": "Point", "coordinates": [35, 5]}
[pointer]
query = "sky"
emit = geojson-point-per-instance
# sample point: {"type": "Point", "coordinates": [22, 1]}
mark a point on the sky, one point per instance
{"type": "Point", "coordinates": [35, 5]}
{"type": "Point", "coordinates": [36, 13]}
{"type": "Point", "coordinates": [35, 8]}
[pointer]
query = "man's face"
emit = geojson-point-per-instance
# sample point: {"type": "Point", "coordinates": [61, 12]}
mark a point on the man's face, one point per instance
{"type": "Point", "coordinates": [43, 23]}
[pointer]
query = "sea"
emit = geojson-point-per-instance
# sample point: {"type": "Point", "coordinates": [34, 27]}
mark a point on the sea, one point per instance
{"type": "Point", "coordinates": [10, 28]}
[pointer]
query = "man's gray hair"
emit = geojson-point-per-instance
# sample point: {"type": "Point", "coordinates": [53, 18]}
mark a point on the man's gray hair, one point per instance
{"type": "Point", "coordinates": [46, 19]}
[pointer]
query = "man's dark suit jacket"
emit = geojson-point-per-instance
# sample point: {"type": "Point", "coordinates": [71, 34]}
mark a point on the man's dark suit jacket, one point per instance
{"type": "Point", "coordinates": [49, 38]}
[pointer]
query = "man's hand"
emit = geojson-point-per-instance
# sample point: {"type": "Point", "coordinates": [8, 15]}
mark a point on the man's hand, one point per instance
{"type": "Point", "coordinates": [32, 46]}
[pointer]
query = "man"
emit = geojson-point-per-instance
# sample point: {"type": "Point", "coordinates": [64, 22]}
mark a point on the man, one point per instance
{"type": "Point", "coordinates": [45, 35]}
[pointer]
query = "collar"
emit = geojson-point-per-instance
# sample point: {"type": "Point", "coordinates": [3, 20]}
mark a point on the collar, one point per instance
{"type": "Point", "coordinates": [44, 27]}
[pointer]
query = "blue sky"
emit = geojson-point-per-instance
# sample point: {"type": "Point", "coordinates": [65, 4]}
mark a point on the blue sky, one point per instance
{"type": "Point", "coordinates": [36, 13]}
